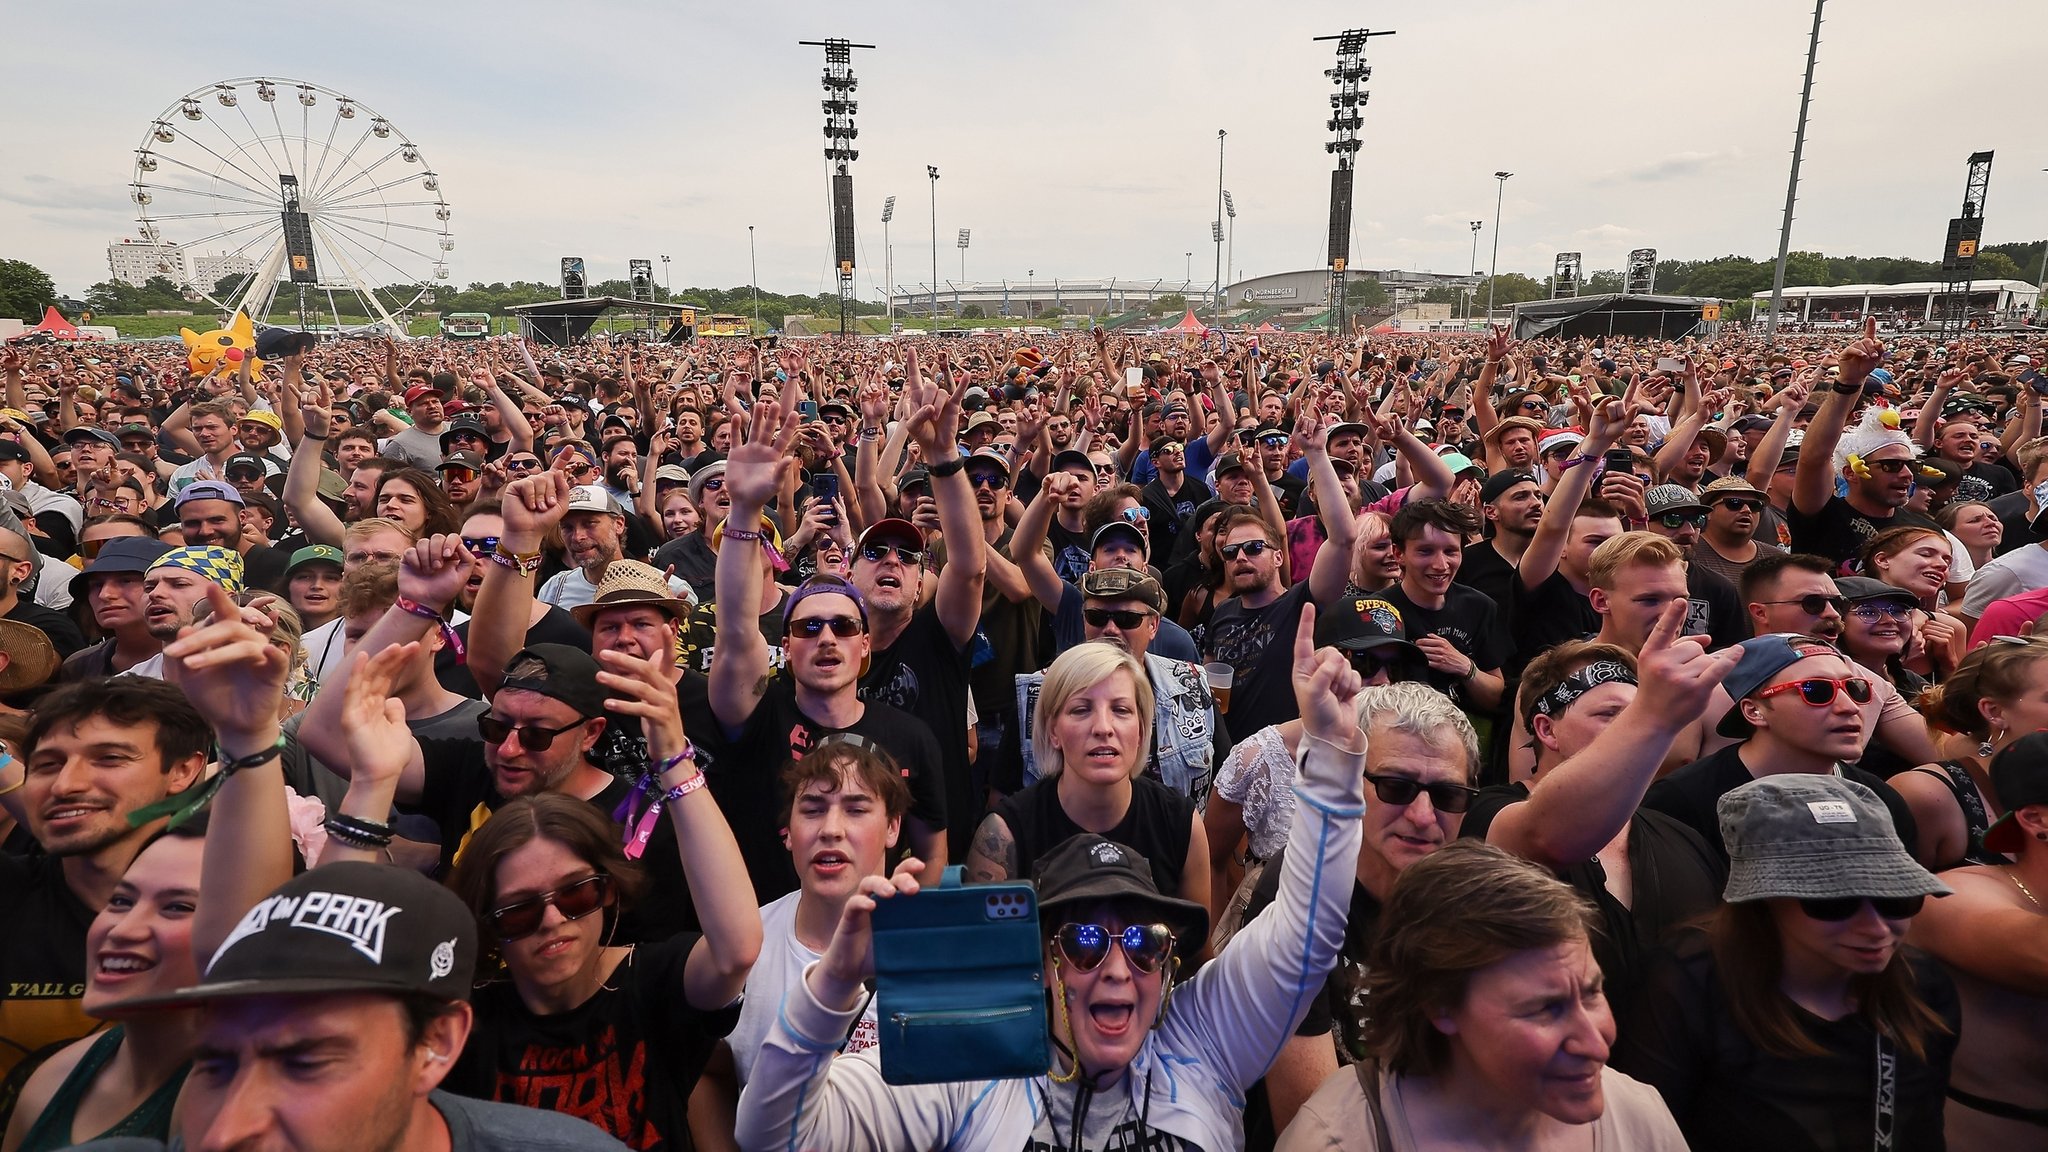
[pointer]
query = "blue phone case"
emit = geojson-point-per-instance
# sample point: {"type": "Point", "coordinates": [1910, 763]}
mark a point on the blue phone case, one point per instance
{"type": "Point", "coordinates": [960, 984]}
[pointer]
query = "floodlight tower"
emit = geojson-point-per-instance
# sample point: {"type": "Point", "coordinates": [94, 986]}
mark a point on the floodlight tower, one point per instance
{"type": "Point", "coordinates": [888, 261]}
{"type": "Point", "coordinates": [840, 134]}
{"type": "Point", "coordinates": [1230, 257]}
{"type": "Point", "coordinates": [1351, 71]}
{"type": "Point", "coordinates": [962, 245]}
{"type": "Point", "coordinates": [1959, 258]}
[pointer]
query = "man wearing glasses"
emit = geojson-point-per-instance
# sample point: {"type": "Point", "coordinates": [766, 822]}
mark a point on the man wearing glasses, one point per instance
{"type": "Point", "coordinates": [1874, 459]}
{"type": "Point", "coordinates": [1171, 495]}
{"type": "Point", "coordinates": [1728, 542]}
{"type": "Point", "coordinates": [769, 718]}
{"type": "Point", "coordinates": [1421, 765]}
{"type": "Point", "coordinates": [1799, 707]}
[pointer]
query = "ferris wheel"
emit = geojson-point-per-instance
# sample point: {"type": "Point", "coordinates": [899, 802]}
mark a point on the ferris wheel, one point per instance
{"type": "Point", "coordinates": [329, 212]}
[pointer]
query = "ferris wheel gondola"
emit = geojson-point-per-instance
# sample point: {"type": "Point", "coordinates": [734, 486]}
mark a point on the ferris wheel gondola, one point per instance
{"type": "Point", "coordinates": [218, 168]}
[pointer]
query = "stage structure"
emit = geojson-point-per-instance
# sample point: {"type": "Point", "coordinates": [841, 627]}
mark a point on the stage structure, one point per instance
{"type": "Point", "coordinates": [575, 284]}
{"type": "Point", "coordinates": [1346, 105]}
{"type": "Point", "coordinates": [840, 134]}
{"type": "Point", "coordinates": [640, 279]}
{"type": "Point", "coordinates": [568, 320]}
{"type": "Point", "coordinates": [1959, 256]}
{"type": "Point", "coordinates": [1641, 277]}
{"type": "Point", "coordinates": [1564, 275]}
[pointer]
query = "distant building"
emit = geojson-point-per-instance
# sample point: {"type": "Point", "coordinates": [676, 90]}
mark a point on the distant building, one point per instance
{"type": "Point", "coordinates": [135, 261]}
{"type": "Point", "coordinates": [210, 270]}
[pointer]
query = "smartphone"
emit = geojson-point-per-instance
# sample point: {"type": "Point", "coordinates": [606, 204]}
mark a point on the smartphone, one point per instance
{"type": "Point", "coordinates": [825, 486]}
{"type": "Point", "coordinates": [808, 409]}
{"type": "Point", "coordinates": [1670, 365]}
{"type": "Point", "coordinates": [1619, 460]}
{"type": "Point", "coordinates": [960, 984]}
{"type": "Point", "coordinates": [1134, 381]}
{"type": "Point", "coordinates": [2032, 378]}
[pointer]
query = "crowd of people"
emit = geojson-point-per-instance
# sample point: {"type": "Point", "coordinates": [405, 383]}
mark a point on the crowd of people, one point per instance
{"type": "Point", "coordinates": [480, 745]}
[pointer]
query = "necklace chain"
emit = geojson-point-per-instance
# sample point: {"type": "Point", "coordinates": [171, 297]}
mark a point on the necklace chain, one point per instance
{"type": "Point", "coordinates": [2017, 883]}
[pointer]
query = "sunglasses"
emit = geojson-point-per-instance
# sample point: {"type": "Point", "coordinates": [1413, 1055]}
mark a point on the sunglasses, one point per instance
{"type": "Point", "coordinates": [995, 481]}
{"type": "Point", "coordinates": [463, 474]}
{"type": "Point", "coordinates": [573, 901]}
{"type": "Point", "coordinates": [811, 627]}
{"type": "Point", "coordinates": [1881, 609]}
{"type": "Point", "coordinates": [531, 737]}
{"type": "Point", "coordinates": [1890, 467]}
{"type": "Point", "coordinates": [1835, 909]}
{"type": "Point", "coordinates": [1272, 441]}
{"type": "Point", "coordinates": [1247, 547]}
{"type": "Point", "coordinates": [1136, 515]}
{"type": "Point", "coordinates": [879, 552]}
{"type": "Point", "coordinates": [1681, 519]}
{"type": "Point", "coordinates": [1819, 691]}
{"type": "Point", "coordinates": [1535, 405]}
{"type": "Point", "coordinates": [1815, 603]}
{"type": "Point", "coordinates": [713, 484]}
{"type": "Point", "coordinates": [1371, 664]}
{"type": "Point", "coordinates": [1742, 504]}
{"type": "Point", "coordinates": [1400, 791]}
{"type": "Point", "coordinates": [1124, 618]}
{"type": "Point", "coordinates": [479, 545]}
{"type": "Point", "coordinates": [1086, 946]}
{"type": "Point", "coordinates": [525, 464]}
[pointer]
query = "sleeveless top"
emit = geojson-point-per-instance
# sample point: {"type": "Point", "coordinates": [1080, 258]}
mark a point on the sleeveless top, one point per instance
{"type": "Point", "coordinates": [1158, 825]}
{"type": "Point", "coordinates": [1183, 750]}
{"type": "Point", "coordinates": [151, 1118]}
{"type": "Point", "coordinates": [1964, 789]}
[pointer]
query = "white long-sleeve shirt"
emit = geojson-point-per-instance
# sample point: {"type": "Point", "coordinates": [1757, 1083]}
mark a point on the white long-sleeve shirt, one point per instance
{"type": "Point", "coordinates": [1223, 1029]}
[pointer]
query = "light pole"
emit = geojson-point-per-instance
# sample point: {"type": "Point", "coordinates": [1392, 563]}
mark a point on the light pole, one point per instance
{"type": "Point", "coordinates": [1187, 272]}
{"type": "Point", "coordinates": [1230, 211]}
{"type": "Point", "coordinates": [1490, 276]}
{"type": "Point", "coordinates": [2041, 277]}
{"type": "Point", "coordinates": [667, 288]}
{"type": "Point", "coordinates": [754, 279]}
{"type": "Point", "coordinates": [889, 260]}
{"type": "Point", "coordinates": [1216, 294]}
{"type": "Point", "coordinates": [934, 174]}
{"type": "Point", "coordinates": [962, 244]}
{"type": "Point", "coordinates": [1792, 185]}
{"type": "Point", "coordinates": [1473, 264]}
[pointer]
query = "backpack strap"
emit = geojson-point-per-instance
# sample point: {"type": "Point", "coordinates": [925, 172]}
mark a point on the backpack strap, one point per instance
{"type": "Point", "coordinates": [1369, 1080]}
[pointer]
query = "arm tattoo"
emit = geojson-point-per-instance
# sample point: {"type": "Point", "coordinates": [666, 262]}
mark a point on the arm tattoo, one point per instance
{"type": "Point", "coordinates": [993, 858]}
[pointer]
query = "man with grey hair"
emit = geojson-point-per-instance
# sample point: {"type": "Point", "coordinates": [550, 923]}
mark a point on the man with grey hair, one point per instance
{"type": "Point", "coordinates": [1421, 762]}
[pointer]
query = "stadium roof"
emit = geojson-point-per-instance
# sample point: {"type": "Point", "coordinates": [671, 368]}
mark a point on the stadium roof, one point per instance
{"type": "Point", "coordinates": [1916, 288]}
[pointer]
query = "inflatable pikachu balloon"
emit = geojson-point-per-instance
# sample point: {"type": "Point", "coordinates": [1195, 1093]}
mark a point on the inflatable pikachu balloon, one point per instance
{"type": "Point", "coordinates": [221, 349]}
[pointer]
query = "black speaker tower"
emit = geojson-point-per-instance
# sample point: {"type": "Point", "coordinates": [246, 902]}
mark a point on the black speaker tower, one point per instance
{"type": "Point", "coordinates": [840, 134]}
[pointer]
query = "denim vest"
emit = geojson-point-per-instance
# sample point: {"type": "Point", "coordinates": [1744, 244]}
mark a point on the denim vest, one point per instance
{"type": "Point", "coordinates": [1183, 726]}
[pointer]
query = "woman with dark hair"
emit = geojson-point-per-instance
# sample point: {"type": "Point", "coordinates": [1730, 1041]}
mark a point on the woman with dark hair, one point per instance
{"type": "Point", "coordinates": [1998, 694]}
{"type": "Point", "coordinates": [1797, 1019]}
{"type": "Point", "coordinates": [1490, 1027]}
{"type": "Point", "coordinates": [1918, 560]}
{"type": "Point", "coordinates": [414, 499]}
{"type": "Point", "coordinates": [124, 1080]}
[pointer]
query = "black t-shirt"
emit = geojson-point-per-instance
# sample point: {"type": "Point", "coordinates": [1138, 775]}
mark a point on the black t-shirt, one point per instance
{"type": "Point", "coordinates": [1158, 825]}
{"type": "Point", "coordinates": [1983, 481]}
{"type": "Point", "coordinates": [1259, 644]}
{"type": "Point", "coordinates": [922, 673]}
{"type": "Point", "coordinates": [1486, 570]}
{"type": "Point", "coordinates": [1714, 609]}
{"type": "Point", "coordinates": [556, 626]}
{"type": "Point", "coordinates": [263, 568]}
{"type": "Point", "coordinates": [624, 1060]}
{"type": "Point", "coordinates": [2013, 513]}
{"type": "Point", "coordinates": [1468, 619]}
{"type": "Point", "coordinates": [1545, 616]}
{"type": "Point", "coordinates": [1674, 877]}
{"type": "Point", "coordinates": [700, 636]}
{"type": "Point", "coordinates": [42, 968]}
{"type": "Point", "coordinates": [1070, 551]}
{"type": "Point", "coordinates": [1170, 512]}
{"type": "Point", "coordinates": [1727, 1094]}
{"type": "Point", "coordinates": [746, 776]}
{"type": "Point", "coordinates": [1839, 532]}
{"type": "Point", "coordinates": [63, 634]}
{"type": "Point", "coordinates": [1340, 1006]}
{"type": "Point", "coordinates": [1690, 796]}
{"type": "Point", "coordinates": [694, 561]}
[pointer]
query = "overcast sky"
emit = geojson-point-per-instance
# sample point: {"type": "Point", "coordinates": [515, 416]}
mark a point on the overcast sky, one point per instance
{"type": "Point", "coordinates": [1078, 140]}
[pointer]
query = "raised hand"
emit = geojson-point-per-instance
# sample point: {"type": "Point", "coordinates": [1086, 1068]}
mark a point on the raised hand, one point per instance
{"type": "Point", "coordinates": [754, 470]}
{"type": "Point", "coordinates": [230, 671]}
{"type": "Point", "coordinates": [1860, 358]}
{"type": "Point", "coordinates": [645, 688]}
{"type": "Point", "coordinates": [380, 745]}
{"type": "Point", "coordinates": [533, 504]}
{"type": "Point", "coordinates": [849, 960]}
{"type": "Point", "coordinates": [1676, 674]}
{"type": "Point", "coordinates": [433, 571]}
{"type": "Point", "coordinates": [1325, 688]}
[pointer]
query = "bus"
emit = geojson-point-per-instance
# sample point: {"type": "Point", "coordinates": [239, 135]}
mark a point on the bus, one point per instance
{"type": "Point", "coordinates": [725, 324]}
{"type": "Point", "coordinates": [466, 325]}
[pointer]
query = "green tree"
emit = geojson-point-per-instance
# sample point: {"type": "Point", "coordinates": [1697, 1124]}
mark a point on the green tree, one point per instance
{"type": "Point", "coordinates": [1049, 312]}
{"type": "Point", "coordinates": [1601, 283]}
{"type": "Point", "coordinates": [24, 290]}
{"type": "Point", "coordinates": [227, 286]}
{"type": "Point", "coordinates": [1171, 302]}
{"type": "Point", "coordinates": [1365, 293]}
{"type": "Point", "coordinates": [1511, 288]}
{"type": "Point", "coordinates": [1998, 266]}
{"type": "Point", "coordinates": [1443, 294]}
{"type": "Point", "coordinates": [973, 312]}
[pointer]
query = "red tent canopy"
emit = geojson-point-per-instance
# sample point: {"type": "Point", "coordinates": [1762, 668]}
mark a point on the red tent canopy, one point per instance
{"type": "Point", "coordinates": [1269, 326]}
{"type": "Point", "coordinates": [1188, 323]}
{"type": "Point", "coordinates": [56, 325]}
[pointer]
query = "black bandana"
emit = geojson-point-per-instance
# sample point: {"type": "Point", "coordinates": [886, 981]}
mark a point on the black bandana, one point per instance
{"type": "Point", "coordinates": [1554, 702]}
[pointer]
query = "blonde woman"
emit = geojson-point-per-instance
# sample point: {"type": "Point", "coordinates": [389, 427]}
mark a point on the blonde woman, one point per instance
{"type": "Point", "coordinates": [1090, 732]}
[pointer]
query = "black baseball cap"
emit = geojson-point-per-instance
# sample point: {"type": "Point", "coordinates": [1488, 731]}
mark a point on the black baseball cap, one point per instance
{"type": "Point", "coordinates": [1498, 484]}
{"type": "Point", "coordinates": [346, 927]}
{"type": "Point", "coordinates": [1087, 869]}
{"type": "Point", "coordinates": [560, 672]}
{"type": "Point", "coordinates": [2019, 779]}
{"type": "Point", "coordinates": [1363, 624]}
